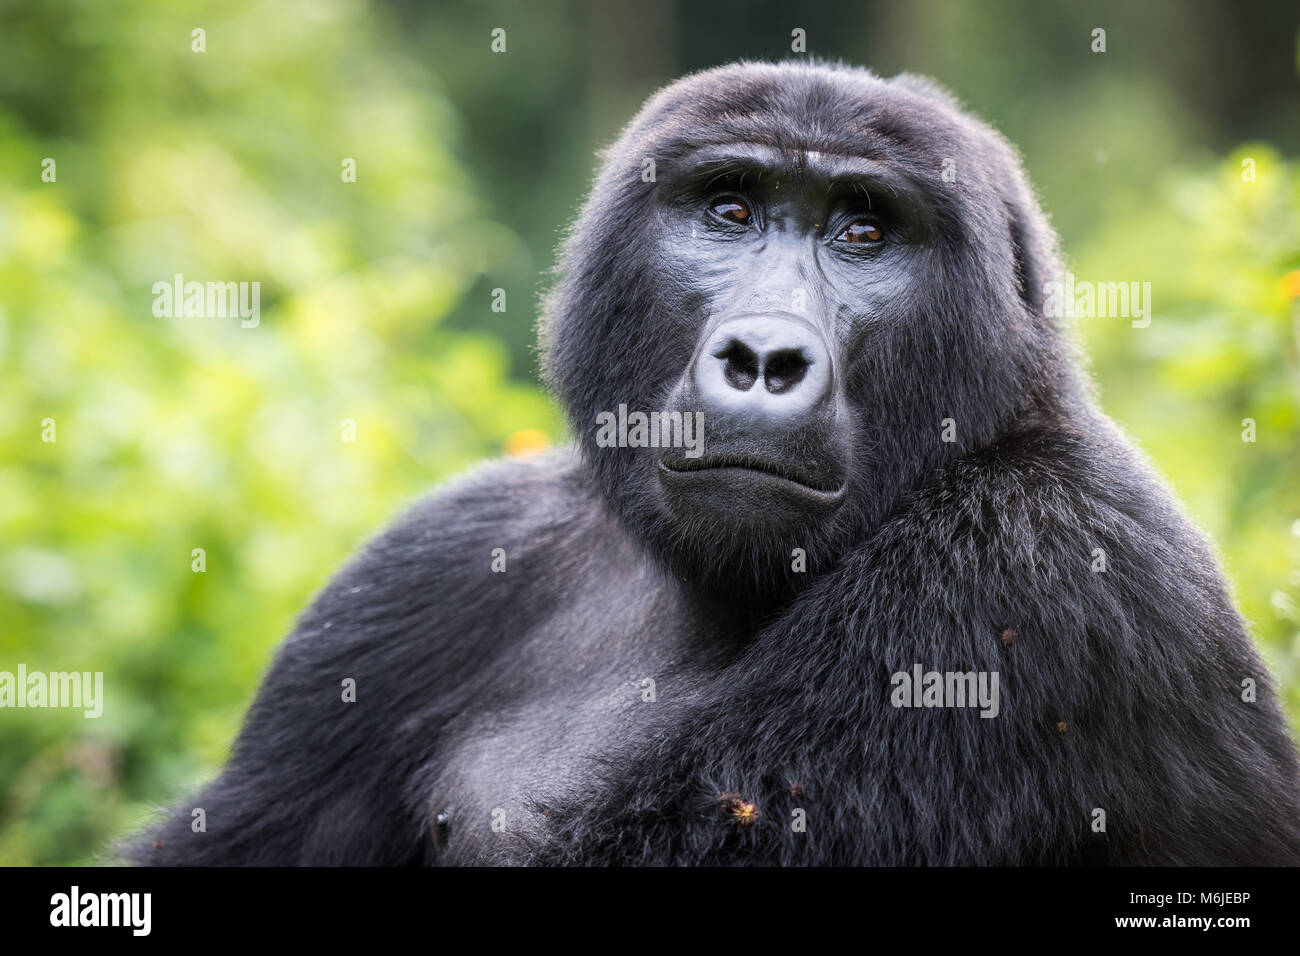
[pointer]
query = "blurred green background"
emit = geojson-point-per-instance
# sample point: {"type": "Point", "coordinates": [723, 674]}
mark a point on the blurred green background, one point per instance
{"type": "Point", "coordinates": [176, 434]}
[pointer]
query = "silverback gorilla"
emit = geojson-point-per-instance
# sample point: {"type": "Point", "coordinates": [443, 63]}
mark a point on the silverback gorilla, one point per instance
{"type": "Point", "coordinates": [645, 653]}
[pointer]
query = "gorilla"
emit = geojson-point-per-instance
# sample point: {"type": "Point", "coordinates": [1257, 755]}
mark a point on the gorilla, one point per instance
{"type": "Point", "coordinates": [836, 467]}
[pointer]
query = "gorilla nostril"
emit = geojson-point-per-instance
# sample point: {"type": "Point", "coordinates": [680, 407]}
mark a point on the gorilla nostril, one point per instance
{"type": "Point", "coordinates": [739, 365]}
{"type": "Point", "coordinates": [784, 370]}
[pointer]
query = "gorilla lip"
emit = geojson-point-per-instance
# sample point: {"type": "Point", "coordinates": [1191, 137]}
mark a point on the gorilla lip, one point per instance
{"type": "Point", "coordinates": [753, 466]}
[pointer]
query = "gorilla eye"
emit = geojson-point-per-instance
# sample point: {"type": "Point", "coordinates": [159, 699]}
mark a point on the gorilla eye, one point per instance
{"type": "Point", "coordinates": [731, 209]}
{"type": "Point", "coordinates": [861, 230]}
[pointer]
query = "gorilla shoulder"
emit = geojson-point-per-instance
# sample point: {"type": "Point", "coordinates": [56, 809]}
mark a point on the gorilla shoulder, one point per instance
{"type": "Point", "coordinates": [412, 624]}
{"type": "Point", "coordinates": [500, 516]}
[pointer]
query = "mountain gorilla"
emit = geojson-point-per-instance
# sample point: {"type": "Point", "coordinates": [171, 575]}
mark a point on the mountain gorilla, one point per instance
{"type": "Point", "coordinates": [644, 653]}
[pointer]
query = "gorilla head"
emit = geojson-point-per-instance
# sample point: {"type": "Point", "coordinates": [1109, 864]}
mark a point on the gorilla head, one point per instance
{"type": "Point", "coordinates": [841, 274]}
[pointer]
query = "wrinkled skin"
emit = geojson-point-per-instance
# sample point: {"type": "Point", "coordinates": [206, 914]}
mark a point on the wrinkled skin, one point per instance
{"type": "Point", "coordinates": [882, 393]}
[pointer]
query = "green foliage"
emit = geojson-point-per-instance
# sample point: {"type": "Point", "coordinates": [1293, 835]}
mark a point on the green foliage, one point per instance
{"type": "Point", "coordinates": [1220, 245]}
{"type": "Point", "coordinates": [183, 433]}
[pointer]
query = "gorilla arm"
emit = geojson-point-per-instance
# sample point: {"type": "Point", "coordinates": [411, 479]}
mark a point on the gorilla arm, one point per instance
{"type": "Point", "coordinates": [314, 779]}
{"type": "Point", "coordinates": [1121, 691]}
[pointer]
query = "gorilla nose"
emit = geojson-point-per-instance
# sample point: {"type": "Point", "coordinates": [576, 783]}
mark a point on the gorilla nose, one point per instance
{"type": "Point", "coordinates": [771, 367]}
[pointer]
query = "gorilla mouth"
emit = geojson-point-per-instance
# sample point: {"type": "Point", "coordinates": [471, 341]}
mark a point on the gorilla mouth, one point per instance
{"type": "Point", "coordinates": [808, 483]}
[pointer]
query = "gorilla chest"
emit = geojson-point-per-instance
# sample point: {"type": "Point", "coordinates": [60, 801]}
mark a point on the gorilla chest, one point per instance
{"type": "Point", "coordinates": [582, 687]}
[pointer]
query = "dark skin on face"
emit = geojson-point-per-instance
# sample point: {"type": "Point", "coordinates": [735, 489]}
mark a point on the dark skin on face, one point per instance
{"type": "Point", "coordinates": [795, 261]}
{"type": "Point", "coordinates": [793, 255]}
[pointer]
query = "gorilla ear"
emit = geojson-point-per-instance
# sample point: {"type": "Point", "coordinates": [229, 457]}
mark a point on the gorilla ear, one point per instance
{"type": "Point", "coordinates": [1033, 241]}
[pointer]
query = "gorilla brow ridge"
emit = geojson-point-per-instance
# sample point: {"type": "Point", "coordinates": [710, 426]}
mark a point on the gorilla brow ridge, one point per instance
{"type": "Point", "coordinates": [857, 174]}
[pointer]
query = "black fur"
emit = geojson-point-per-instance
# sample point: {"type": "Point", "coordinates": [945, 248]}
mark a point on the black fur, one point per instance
{"type": "Point", "coordinates": [522, 691]}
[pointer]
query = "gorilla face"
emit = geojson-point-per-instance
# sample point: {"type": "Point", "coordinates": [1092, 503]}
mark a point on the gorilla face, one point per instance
{"type": "Point", "coordinates": [840, 274]}
{"type": "Point", "coordinates": [788, 280]}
